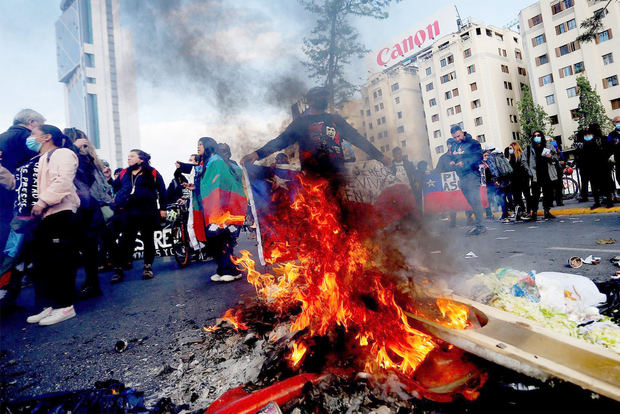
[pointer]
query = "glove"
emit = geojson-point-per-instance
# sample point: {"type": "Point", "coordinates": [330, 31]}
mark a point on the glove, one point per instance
{"type": "Point", "coordinates": [232, 228]}
{"type": "Point", "coordinates": [213, 227]}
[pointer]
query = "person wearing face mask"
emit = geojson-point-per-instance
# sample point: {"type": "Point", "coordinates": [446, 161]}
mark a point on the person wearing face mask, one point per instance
{"type": "Point", "coordinates": [54, 257]}
{"type": "Point", "coordinates": [520, 180]}
{"type": "Point", "coordinates": [613, 144]}
{"type": "Point", "coordinates": [140, 203]}
{"type": "Point", "coordinates": [540, 161]}
{"type": "Point", "coordinates": [594, 163]}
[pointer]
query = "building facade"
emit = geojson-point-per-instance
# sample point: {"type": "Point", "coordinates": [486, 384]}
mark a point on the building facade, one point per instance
{"type": "Point", "coordinates": [96, 65]}
{"type": "Point", "coordinates": [555, 58]}
{"type": "Point", "coordinates": [473, 78]}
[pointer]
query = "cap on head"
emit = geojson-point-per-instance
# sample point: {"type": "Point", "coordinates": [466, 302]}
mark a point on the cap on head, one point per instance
{"type": "Point", "coordinates": [454, 129]}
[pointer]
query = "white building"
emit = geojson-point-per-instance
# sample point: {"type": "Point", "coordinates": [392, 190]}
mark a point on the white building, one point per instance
{"type": "Point", "coordinates": [96, 65]}
{"type": "Point", "coordinates": [549, 29]}
{"type": "Point", "coordinates": [473, 78]}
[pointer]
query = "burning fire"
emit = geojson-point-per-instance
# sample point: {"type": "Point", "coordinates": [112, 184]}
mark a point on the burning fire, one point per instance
{"type": "Point", "coordinates": [226, 217]}
{"type": "Point", "coordinates": [333, 275]}
{"type": "Point", "coordinates": [230, 317]}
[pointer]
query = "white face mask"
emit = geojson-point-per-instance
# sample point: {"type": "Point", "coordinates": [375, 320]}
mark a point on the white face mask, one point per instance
{"type": "Point", "coordinates": [511, 151]}
{"type": "Point", "coordinates": [588, 138]}
{"type": "Point", "coordinates": [618, 126]}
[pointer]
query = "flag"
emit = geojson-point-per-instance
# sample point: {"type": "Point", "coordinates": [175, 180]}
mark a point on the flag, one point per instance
{"type": "Point", "coordinates": [443, 194]}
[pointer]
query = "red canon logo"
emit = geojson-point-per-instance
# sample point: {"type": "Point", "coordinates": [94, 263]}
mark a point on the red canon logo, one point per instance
{"type": "Point", "coordinates": [407, 44]}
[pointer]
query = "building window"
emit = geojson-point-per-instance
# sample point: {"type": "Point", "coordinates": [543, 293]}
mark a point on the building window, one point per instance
{"type": "Point", "coordinates": [457, 109]}
{"type": "Point", "coordinates": [521, 71]}
{"type": "Point", "coordinates": [93, 118]}
{"type": "Point", "coordinates": [565, 27]}
{"type": "Point", "coordinates": [439, 149]}
{"type": "Point", "coordinates": [370, 125]}
{"type": "Point", "coordinates": [400, 129]}
{"type": "Point", "coordinates": [610, 81]}
{"type": "Point", "coordinates": [467, 53]}
{"type": "Point", "coordinates": [361, 112]}
{"type": "Point", "coordinates": [367, 112]}
{"type": "Point", "coordinates": [473, 86]}
{"type": "Point", "coordinates": [489, 33]}
{"type": "Point", "coordinates": [372, 139]}
{"type": "Point", "coordinates": [450, 111]}
{"type": "Point", "coordinates": [448, 77]}
{"type": "Point", "coordinates": [478, 31]}
{"type": "Point", "coordinates": [574, 113]}
{"type": "Point", "coordinates": [541, 60]}
{"type": "Point", "coordinates": [443, 62]}
{"type": "Point", "coordinates": [509, 101]}
{"type": "Point", "coordinates": [400, 115]}
{"type": "Point", "coordinates": [376, 108]}
{"type": "Point", "coordinates": [566, 49]}
{"type": "Point", "coordinates": [374, 94]}
{"type": "Point", "coordinates": [603, 36]}
{"type": "Point", "coordinates": [554, 119]}
{"type": "Point", "coordinates": [471, 68]}
{"type": "Point", "coordinates": [380, 135]}
{"type": "Point", "coordinates": [579, 67]}
{"type": "Point", "coordinates": [403, 143]}
{"type": "Point", "coordinates": [478, 121]}
{"type": "Point", "coordinates": [608, 59]}
{"type": "Point", "coordinates": [395, 87]}
{"type": "Point", "coordinates": [504, 68]}
{"type": "Point", "coordinates": [561, 6]}
{"type": "Point", "coordinates": [379, 92]}
{"type": "Point", "coordinates": [535, 21]}
{"type": "Point", "coordinates": [566, 71]}
{"type": "Point", "coordinates": [507, 85]}
{"type": "Point", "coordinates": [455, 92]}
{"type": "Point", "coordinates": [378, 121]}
{"type": "Point", "coordinates": [544, 80]}
{"type": "Point", "coordinates": [504, 53]}
{"type": "Point", "coordinates": [397, 100]}
{"type": "Point", "coordinates": [518, 54]}
{"type": "Point", "coordinates": [571, 91]}
{"type": "Point", "coordinates": [437, 133]}
{"type": "Point", "coordinates": [481, 138]}
{"type": "Point", "coordinates": [89, 60]}
{"type": "Point", "coordinates": [615, 103]}
{"type": "Point", "coordinates": [91, 80]}
{"type": "Point", "coordinates": [432, 102]}
{"type": "Point", "coordinates": [435, 118]}
{"type": "Point", "coordinates": [429, 71]}
{"type": "Point", "coordinates": [429, 87]}
{"type": "Point", "coordinates": [550, 99]}
{"type": "Point", "coordinates": [539, 40]}
{"type": "Point", "coordinates": [448, 95]}
{"type": "Point", "coordinates": [383, 120]}
{"type": "Point", "coordinates": [475, 104]}
{"type": "Point", "coordinates": [381, 105]}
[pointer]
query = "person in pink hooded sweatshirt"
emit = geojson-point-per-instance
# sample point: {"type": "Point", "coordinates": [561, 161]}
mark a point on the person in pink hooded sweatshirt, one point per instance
{"type": "Point", "coordinates": [54, 259]}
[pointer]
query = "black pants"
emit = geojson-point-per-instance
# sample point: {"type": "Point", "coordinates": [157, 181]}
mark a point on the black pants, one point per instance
{"type": "Point", "coordinates": [221, 245]}
{"type": "Point", "coordinates": [548, 190]}
{"type": "Point", "coordinates": [584, 176]}
{"type": "Point", "coordinates": [470, 185]}
{"type": "Point", "coordinates": [521, 191]}
{"type": "Point", "coordinates": [88, 232]}
{"type": "Point", "coordinates": [129, 225]}
{"type": "Point", "coordinates": [54, 260]}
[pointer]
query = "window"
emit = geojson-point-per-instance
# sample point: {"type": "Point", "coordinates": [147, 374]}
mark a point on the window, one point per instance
{"type": "Point", "coordinates": [380, 135]}
{"type": "Point", "coordinates": [541, 60]}
{"type": "Point", "coordinates": [521, 71]}
{"type": "Point", "coordinates": [566, 71]}
{"type": "Point", "coordinates": [383, 120]}
{"type": "Point", "coordinates": [473, 86]}
{"type": "Point", "coordinates": [566, 49]}
{"type": "Point", "coordinates": [504, 53]}
{"type": "Point", "coordinates": [561, 6]}
{"type": "Point", "coordinates": [510, 101]}
{"type": "Point", "coordinates": [450, 111]}
{"type": "Point", "coordinates": [429, 87]}
{"type": "Point", "coordinates": [550, 99]}
{"type": "Point", "coordinates": [574, 113]}
{"type": "Point", "coordinates": [381, 105]}
{"type": "Point", "coordinates": [571, 92]}
{"type": "Point", "coordinates": [439, 149]}
{"type": "Point", "coordinates": [395, 87]}
{"type": "Point", "coordinates": [471, 68]}
{"type": "Point", "coordinates": [437, 133]}
{"type": "Point", "coordinates": [565, 27]}
{"type": "Point", "coordinates": [539, 40]}
{"type": "Point", "coordinates": [448, 95]}
{"type": "Point", "coordinates": [90, 80]}
{"type": "Point", "coordinates": [370, 125]}
{"type": "Point", "coordinates": [603, 36]}
{"type": "Point", "coordinates": [429, 71]}
{"type": "Point", "coordinates": [399, 114]}
{"type": "Point", "coordinates": [403, 143]}
{"type": "Point", "coordinates": [385, 134]}
{"type": "Point", "coordinates": [579, 67]}
{"type": "Point", "coordinates": [554, 119]}
{"type": "Point", "coordinates": [608, 59]}
{"type": "Point", "coordinates": [513, 119]}
{"type": "Point", "coordinates": [89, 60]}
{"type": "Point", "coordinates": [489, 33]}
{"type": "Point", "coordinates": [435, 118]}
{"type": "Point", "coordinates": [376, 108]}
{"type": "Point", "coordinates": [615, 103]}
{"type": "Point", "coordinates": [382, 148]}
{"type": "Point", "coordinates": [467, 53]}
{"type": "Point", "coordinates": [362, 112]}
{"type": "Point", "coordinates": [368, 112]}
{"type": "Point", "coordinates": [478, 121]}
{"type": "Point", "coordinates": [515, 135]}
{"type": "Point", "coordinates": [504, 68]}
{"type": "Point", "coordinates": [544, 80]}
{"type": "Point", "coordinates": [478, 31]}
{"type": "Point", "coordinates": [481, 138]}
{"type": "Point", "coordinates": [518, 54]}
{"type": "Point", "coordinates": [432, 102]}
{"type": "Point", "coordinates": [571, 24]}
{"type": "Point", "coordinates": [507, 85]}
{"type": "Point", "coordinates": [378, 121]}
{"type": "Point", "coordinates": [455, 92]}
{"type": "Point", "coordinates": [535, 21]}
{"type": "Point", "coordinates": [448, 77]}
{"type": "Point", "coordinates": [475, 104]}
{"type": "Point", "coordinates": [610, 81]}
{"type": "Point", "coordinates": [397, 99]}
{"type": "Point", "coordinates": [400, 129]}
{"type": "Point", "coordinates": [372, 139]}
{"type": "Point", "coordinates": [374, 94]}
{"type": "Point", "coordinates": [457, 109]}
{"type": "Point", "coordinates": [379, 92]}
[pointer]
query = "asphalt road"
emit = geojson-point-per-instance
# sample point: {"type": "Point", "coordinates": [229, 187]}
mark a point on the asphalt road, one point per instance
{"type": "Point", "coordinates": [157, 317]}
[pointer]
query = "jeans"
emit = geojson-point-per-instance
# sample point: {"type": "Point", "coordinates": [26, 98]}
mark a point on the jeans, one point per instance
{"type": "Point", "coordinates": [470, 185]}
{"type": "Point", "coordinates": [221, 244]}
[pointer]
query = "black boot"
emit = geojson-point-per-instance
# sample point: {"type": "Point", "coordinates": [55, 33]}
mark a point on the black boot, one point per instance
{"type": "Point", "coordinates": [548, 215]}
{"type": "Point", "coordinates": [118, 275]}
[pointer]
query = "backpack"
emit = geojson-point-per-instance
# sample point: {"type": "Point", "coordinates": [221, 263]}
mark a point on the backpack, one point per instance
{"type": "Point", "coordinates": [503, 166]}
{"type": "Point", "coordinates": [100, 190]}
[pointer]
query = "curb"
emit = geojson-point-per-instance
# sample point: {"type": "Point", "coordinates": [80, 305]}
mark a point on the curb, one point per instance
{"type": "Point", "coordinates": [565, 211]}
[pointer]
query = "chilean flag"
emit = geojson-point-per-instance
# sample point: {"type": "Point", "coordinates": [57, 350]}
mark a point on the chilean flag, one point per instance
{"type": "Point", "coordinates": [442, 194]}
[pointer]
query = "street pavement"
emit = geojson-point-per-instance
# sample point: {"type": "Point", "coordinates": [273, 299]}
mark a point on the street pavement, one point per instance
{"type": "Point", "coordinates": [159, 317]}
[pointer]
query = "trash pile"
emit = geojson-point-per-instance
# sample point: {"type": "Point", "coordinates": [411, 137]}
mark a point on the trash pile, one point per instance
{"type": "Point", "coordinates": [564, 303]}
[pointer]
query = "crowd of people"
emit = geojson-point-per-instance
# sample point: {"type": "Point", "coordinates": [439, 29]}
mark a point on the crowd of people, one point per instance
{"type": "Point", "coordinates": [62, 207]}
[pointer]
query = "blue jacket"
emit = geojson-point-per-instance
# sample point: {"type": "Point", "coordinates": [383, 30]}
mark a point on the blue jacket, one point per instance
{"type": "Point", "coordinates": [13, 147]}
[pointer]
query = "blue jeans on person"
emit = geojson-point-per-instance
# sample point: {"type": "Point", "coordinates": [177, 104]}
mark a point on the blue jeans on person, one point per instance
{"type": "Point", "coordinates": [470, 186]}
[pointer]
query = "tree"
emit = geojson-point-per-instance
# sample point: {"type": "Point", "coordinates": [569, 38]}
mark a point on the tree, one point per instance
{"type": "Point", "coordinates": [334, 41]}
{"type": "Point", "coordinates": [590, 109]}
{"type": "Point", "coordinates": [592, 26]}
{"type": "Point", "coordinates": [532, 117]}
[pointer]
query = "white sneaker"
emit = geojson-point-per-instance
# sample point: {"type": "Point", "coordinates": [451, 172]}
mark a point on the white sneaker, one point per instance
{"type": "Point", "coordinates": [216, 278]}
{"type": "Point", "coordinates": [37, 318]}
{"type": "Point", "coordinates": [58, 315]}
{"type": "Point", "coordinates": [230, 278]}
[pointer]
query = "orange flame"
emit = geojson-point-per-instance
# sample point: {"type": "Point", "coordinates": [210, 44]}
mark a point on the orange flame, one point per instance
{"type": "Point", "coordinates": [455, 315]}
{"type": "Point", "coordinates": [229, 316]}
{"type": "Point", "coordinates": [223, 218]}
{"type": "Point", "coordinates": [299, 350]}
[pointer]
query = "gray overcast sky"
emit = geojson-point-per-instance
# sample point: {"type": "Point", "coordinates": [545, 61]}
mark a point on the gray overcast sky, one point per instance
{"type": "Point", "coordinates": [28, 72]}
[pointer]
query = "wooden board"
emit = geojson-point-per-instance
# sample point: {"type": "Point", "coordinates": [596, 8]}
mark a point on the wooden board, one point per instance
{"type": "Point", "coordinates": [522, 345]}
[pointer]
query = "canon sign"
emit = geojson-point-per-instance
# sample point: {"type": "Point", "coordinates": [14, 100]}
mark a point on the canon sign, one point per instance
{"type": "Point", "coordinates": [413, 40]}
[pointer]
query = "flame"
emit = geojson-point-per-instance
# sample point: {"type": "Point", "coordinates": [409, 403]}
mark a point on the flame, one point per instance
{"type": "Point", "coordinates": [211, 328]}
{"type": "Point", "coordinates": [223, 218]}
{"type": "Point", "coordinates": [299, 350]}
{"type": "Point", "coordinates": [455, 315]}
{"type": "Point", "coordinates": [229, 316]}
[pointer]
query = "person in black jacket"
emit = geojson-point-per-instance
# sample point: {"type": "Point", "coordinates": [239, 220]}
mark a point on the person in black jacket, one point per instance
{"type": "Point", "coordinates": [14, 155]}
{"type": "Point", "coordinates": [613, 146]}
{"type": "Point", "coordinates": [466, 160]}
{"type": "Point", "coordinates": [541, 157]}
{"type": "Point", "coordinates": [594, 161]}
{"type": "Point", "coordinates": [519, 180]}
{"type": "Point", "coordinates": [140, 203]}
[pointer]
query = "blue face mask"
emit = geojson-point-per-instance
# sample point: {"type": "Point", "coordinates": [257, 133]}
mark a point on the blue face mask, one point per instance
{"type": "Point", "coordinates": [33, 145]}
{"type": "Point", "coordinates": [588, 138]}
{"type": "Point", "coordinates": [618, 127]}
{"type": "Point", "coordinates": [537, 139]}
{"type": "Point", "coordinates": [511, 151]}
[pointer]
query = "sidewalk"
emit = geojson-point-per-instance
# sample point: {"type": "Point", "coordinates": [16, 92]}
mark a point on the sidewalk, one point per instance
{"type": "Point", "coordinates": [572, 207]}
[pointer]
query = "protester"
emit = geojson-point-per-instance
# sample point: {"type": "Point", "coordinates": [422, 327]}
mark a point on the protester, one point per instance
{"type": "Point", "coordinates": [558, 193]}
{"type": "Point", "coordinates": [540, 160]}
{"type": "Point", "coordinates": [519, 180]}
{"type": "Point", "coordinates": [402, 168]}
{"type": "Point", "coordinates": [7, 179]}
{"type": "Point", "coordinates": [497, 173]}
{"type": "Point", "coordinates": [613, 145]}
{"type": "Point", "coordinates": [219, 207]}
{"type": "Point", "coordinates": [594, 162]}
{"type": "Point", "coordinates": [467, 157]}
{"type": "Point", "coordinates": [15, 154]}
{"type": "Point", "coordinates": [54, 261]}
{"type": "Point", "coordinates": [140, 203]}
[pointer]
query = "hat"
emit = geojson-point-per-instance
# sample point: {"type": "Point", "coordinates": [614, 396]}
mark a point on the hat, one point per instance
{"type": "Point", "coordinates": [455, 128]}
{"type": "Point", "coordinates": [488, 148]}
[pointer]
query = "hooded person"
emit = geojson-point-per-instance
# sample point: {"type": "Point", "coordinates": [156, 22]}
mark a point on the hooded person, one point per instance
{"type": "Point", "coordinates": [593, 154]}
{"type": "Point", "coordinates": [218, 206]}
{"type": "Point", "coordinates": [540, 157]}
{"type": "Point", "coordinates": [613, 145]}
